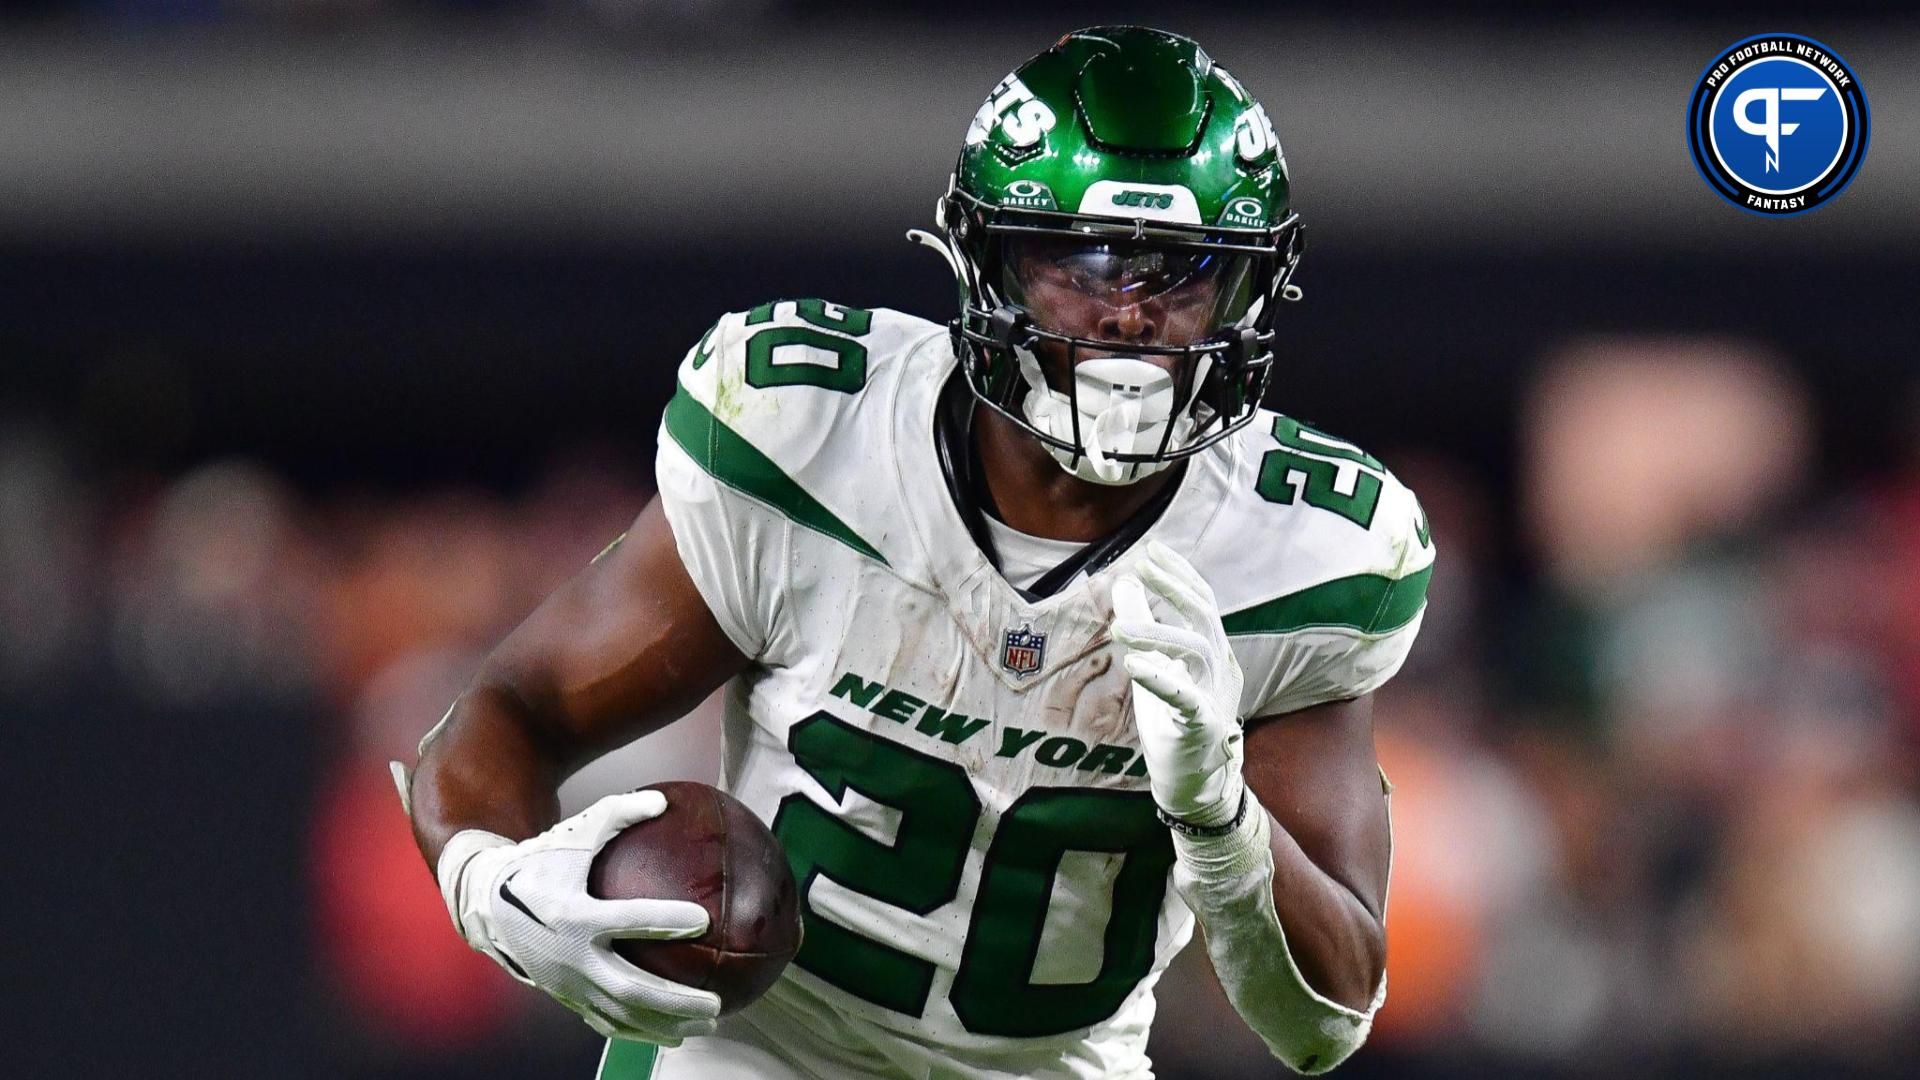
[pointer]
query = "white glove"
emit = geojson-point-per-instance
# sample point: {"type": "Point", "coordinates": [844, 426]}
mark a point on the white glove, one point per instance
{"type": "Point", "coordinates": [1186, 688]}
{"type": "Point", "coordinates": [526, 905]}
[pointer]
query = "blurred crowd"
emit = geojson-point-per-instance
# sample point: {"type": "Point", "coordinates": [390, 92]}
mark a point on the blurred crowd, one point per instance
{"type": "Point", "coordinates": [1654, 757]}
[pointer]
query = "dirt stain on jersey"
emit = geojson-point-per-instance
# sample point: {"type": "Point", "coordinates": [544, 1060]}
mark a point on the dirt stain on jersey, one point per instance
{"type": "Point", "coordinates": [1091, 699]}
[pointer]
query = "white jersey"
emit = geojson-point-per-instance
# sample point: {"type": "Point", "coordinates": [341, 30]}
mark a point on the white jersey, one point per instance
{"type": "Point", "coordinates": [951, 767]}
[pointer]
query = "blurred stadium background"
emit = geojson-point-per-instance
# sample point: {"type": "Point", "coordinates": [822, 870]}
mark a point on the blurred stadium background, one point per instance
{"type": "Point", "coordinates": [334, 333]}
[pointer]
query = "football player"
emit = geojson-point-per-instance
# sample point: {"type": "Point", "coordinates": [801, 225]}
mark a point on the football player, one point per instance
{"type": "Point", "coordinates": [1041, 640]}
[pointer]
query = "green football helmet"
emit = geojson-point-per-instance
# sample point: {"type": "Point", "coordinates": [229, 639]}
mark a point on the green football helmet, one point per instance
{"type": "Point", "coordinates": [1123, 163]}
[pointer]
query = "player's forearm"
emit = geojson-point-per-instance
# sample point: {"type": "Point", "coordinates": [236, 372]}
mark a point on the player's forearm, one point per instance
{"type": "Point", "coordinates": [487, 768]}
{"type": "Point", "coordinates": [1339, 945]}
{"type": "Point", "coordinates": [1232, 883]}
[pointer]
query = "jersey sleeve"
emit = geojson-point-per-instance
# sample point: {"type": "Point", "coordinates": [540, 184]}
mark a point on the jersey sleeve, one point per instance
{"type": "Point", "coordinates": [1347, 635]}
{"type": "Point", "coordinates": [767, 448]}
{"type": "Point", "coordinates": [732, 546]}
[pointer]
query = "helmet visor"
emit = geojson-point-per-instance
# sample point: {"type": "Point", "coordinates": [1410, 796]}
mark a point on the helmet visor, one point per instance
{"type": "Point", "coordinates": [1124, 291]}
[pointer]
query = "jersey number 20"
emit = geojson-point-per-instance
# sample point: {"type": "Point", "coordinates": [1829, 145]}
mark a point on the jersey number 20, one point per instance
{"type": "Point", "coordinates": [766, 366]}
{"type": "Point", "coordinates": [993, 990]}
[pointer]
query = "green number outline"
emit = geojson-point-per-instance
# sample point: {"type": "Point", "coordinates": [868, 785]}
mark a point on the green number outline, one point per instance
{"type": "Point", "coordinates": [921, 872]}
{"type": "Point", "coordinates": [1288, 432]}
{"type": "Point", "coordinates": [828, 331]}
{"type": "Point", "coordinates": [938, 810]}
{"type": "Point", "coordinates": [1321, 474]}
{"type": "Point", "coordinates": [993, 992]}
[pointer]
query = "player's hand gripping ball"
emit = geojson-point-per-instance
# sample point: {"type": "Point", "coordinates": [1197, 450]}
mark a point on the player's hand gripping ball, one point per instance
{"type": "Point", "coordinates": [648, 913]}
{"type": "Point", "coordinates": [710, 849]}
{"type": "Point", "coordinates": [1186, 687]}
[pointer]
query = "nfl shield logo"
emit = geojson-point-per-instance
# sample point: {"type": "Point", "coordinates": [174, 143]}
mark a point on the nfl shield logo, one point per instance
{"type": "Point", "coordinates": [1024, 651]}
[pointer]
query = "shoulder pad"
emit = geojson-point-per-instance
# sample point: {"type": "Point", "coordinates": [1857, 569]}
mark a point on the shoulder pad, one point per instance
{"type": "Point", "coordinates": [785, 403]}
{"type": "Point", "coordinates": [1324, 537]}
{"type": "Point", "coordinates": [789, 364]}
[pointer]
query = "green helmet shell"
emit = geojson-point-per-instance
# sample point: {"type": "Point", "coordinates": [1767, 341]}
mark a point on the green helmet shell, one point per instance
{"type": "Point", "coordinates": [1131, 135]}
{"type": "Point", "coordinates": [1128, 123]}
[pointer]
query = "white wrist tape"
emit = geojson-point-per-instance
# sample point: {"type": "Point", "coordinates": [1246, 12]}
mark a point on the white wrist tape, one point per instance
{"type": "Point", "coordinates": [455, 858]}
{"type": "Point", "coordinates": [1228, 882]}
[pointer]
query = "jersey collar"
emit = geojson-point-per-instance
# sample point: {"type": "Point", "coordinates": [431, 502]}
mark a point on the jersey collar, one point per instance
{"type": "Point", "coordinates": [1073, 621]}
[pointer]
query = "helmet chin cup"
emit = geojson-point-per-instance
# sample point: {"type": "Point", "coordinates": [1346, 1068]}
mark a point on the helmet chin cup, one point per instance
{"type": "Point", "coordinates": [1120, 405]}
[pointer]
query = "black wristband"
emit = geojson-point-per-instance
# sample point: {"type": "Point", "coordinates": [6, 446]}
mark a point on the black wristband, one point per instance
{"type": "Point", "coordinates": [1190, 829]}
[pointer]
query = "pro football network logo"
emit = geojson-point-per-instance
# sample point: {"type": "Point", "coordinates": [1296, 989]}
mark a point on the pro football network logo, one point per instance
{"type": "Point", "coordinates": [1778, 124]}
{"type": "Point", "coordinates": [1024, 651]}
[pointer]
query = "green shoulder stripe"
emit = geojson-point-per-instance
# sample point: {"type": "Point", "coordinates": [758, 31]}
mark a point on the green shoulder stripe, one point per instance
{"type": "Point", "coordinates": [734, 461]}
{"type": "Point", "coordinates": [623, 1060]}
{"type": "Point", "coordinates": [1369, 603]}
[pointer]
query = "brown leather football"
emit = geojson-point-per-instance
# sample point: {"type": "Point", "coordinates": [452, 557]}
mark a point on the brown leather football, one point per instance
{"type": "Point", "coordinates": [710, 849]}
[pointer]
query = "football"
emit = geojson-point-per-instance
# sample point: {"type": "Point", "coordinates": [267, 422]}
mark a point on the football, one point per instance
{"type": "Point", "coordinates": [710, 849]}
